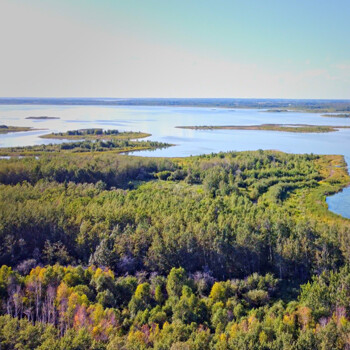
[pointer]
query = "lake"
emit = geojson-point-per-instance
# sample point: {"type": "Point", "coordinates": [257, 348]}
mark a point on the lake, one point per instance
{"type": "Point", "coordinates": [161, 122]}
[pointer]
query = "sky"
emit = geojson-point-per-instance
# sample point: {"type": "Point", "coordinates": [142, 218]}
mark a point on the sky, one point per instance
{"type": "Point", "coordinates": [175, 48]}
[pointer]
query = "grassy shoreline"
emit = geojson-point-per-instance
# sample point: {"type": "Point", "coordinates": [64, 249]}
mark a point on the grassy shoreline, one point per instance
{"type": "Point", "coordinates": [312, 202]}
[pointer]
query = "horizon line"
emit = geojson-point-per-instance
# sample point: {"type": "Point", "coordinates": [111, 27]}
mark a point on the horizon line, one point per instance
{"type": "Point", "coordinates": [172, 98]}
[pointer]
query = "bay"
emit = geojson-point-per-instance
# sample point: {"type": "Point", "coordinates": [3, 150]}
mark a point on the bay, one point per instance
{"type": "Point", "coordinates": [161, 122]}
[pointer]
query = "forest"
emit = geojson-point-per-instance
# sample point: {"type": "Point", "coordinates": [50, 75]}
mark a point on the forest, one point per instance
{"type": "Point", "coordinates": [234, 250]}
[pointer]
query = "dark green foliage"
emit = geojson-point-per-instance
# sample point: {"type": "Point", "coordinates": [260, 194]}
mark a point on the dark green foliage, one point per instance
{"type": "Point", "coordinates": [231, 220]}
{"type": "Point", "coordinates": [200, 253]}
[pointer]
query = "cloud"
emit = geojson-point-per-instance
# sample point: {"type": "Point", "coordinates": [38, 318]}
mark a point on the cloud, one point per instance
{"type": "Point", "coordinates": [344, 66]}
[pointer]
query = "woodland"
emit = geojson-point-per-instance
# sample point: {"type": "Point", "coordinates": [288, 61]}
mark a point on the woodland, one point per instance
{"type": "Point", "coordinates": [101, 250]}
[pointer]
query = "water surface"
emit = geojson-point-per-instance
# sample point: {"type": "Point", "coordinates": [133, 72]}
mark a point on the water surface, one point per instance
{"type": "Point", "coordinates": [161, 122]}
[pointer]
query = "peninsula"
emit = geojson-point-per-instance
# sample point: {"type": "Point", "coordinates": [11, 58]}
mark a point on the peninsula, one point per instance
{"type": "Point", "coordinates": [297, 128]}
{"type": "Point", "coordinates": [341, 115]}
{"type": "Point", "coordinates": [5, 129]}
{"type": "Point", "coordinates": [88, 141]}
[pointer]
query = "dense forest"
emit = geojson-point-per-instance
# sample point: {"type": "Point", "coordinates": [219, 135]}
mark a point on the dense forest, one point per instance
{"type": "Point", "coordinates": [224, 251]}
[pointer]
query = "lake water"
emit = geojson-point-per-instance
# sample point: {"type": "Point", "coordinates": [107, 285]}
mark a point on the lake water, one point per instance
{"type": "Point", "coordinates": [161, 122]}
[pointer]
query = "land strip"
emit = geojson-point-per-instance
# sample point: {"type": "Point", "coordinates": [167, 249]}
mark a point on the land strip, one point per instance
{"type": "Point", "coordinates": [296, 128]}
{"type": "Point", "coordinates": [5, 129]}
{"type": "Point", "coordinates": [96, 134]}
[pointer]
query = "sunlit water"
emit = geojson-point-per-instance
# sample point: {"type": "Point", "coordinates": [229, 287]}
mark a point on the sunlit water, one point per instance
{"type": "Point", "coordinates": [161, 122]}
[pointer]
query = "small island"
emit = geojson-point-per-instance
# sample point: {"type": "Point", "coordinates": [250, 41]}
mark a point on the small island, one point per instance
{"type": "Point", "coordinates": [42, 118]}
{"type": "Point", "coordinates": [296, 128]}
{"type": "Point", "coordinates": [96, 134]}
{"type": "Point", "coordinates": [276, 111]}
{"type": "Point", "coordinates": [5, 129]}
{"type": "Point", "coordinates": [341, 115]}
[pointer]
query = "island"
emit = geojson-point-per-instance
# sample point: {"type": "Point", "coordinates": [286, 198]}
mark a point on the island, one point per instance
{"type": "Point", "coordinates": [341, 115]}
{"type": "Point", "coordinates": [276, 110]}
{"type": "Point", "coordinates": [96, 134]}
{"type": "Point", "coordinates": [297, 128]}
{"type": "Point", "coordinates": [88, 141]}
{"type": "Point", "coordinates": [42, 118]}
{"type": "Point", "coordinates": [5, 129]}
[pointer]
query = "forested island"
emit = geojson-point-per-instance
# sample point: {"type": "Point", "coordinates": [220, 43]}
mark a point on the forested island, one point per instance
{"type": "Point", "coordinates": [297, 128]}
{"type": "Point", "coordinates": [42, 118]}
{"type": "Point", "coordinates": [224, 251]}
{"type": "Point", "coordinates": [276, 110]}
{"type": "Point", "coordinates": [95, 134]}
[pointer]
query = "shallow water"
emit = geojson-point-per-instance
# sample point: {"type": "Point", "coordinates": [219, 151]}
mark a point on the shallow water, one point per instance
{"type": "Point", "coordinates": [161, 122]}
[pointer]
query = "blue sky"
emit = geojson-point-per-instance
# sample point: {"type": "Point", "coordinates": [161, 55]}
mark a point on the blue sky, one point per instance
{"type": "Point", "coordinates": [158, 48]}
